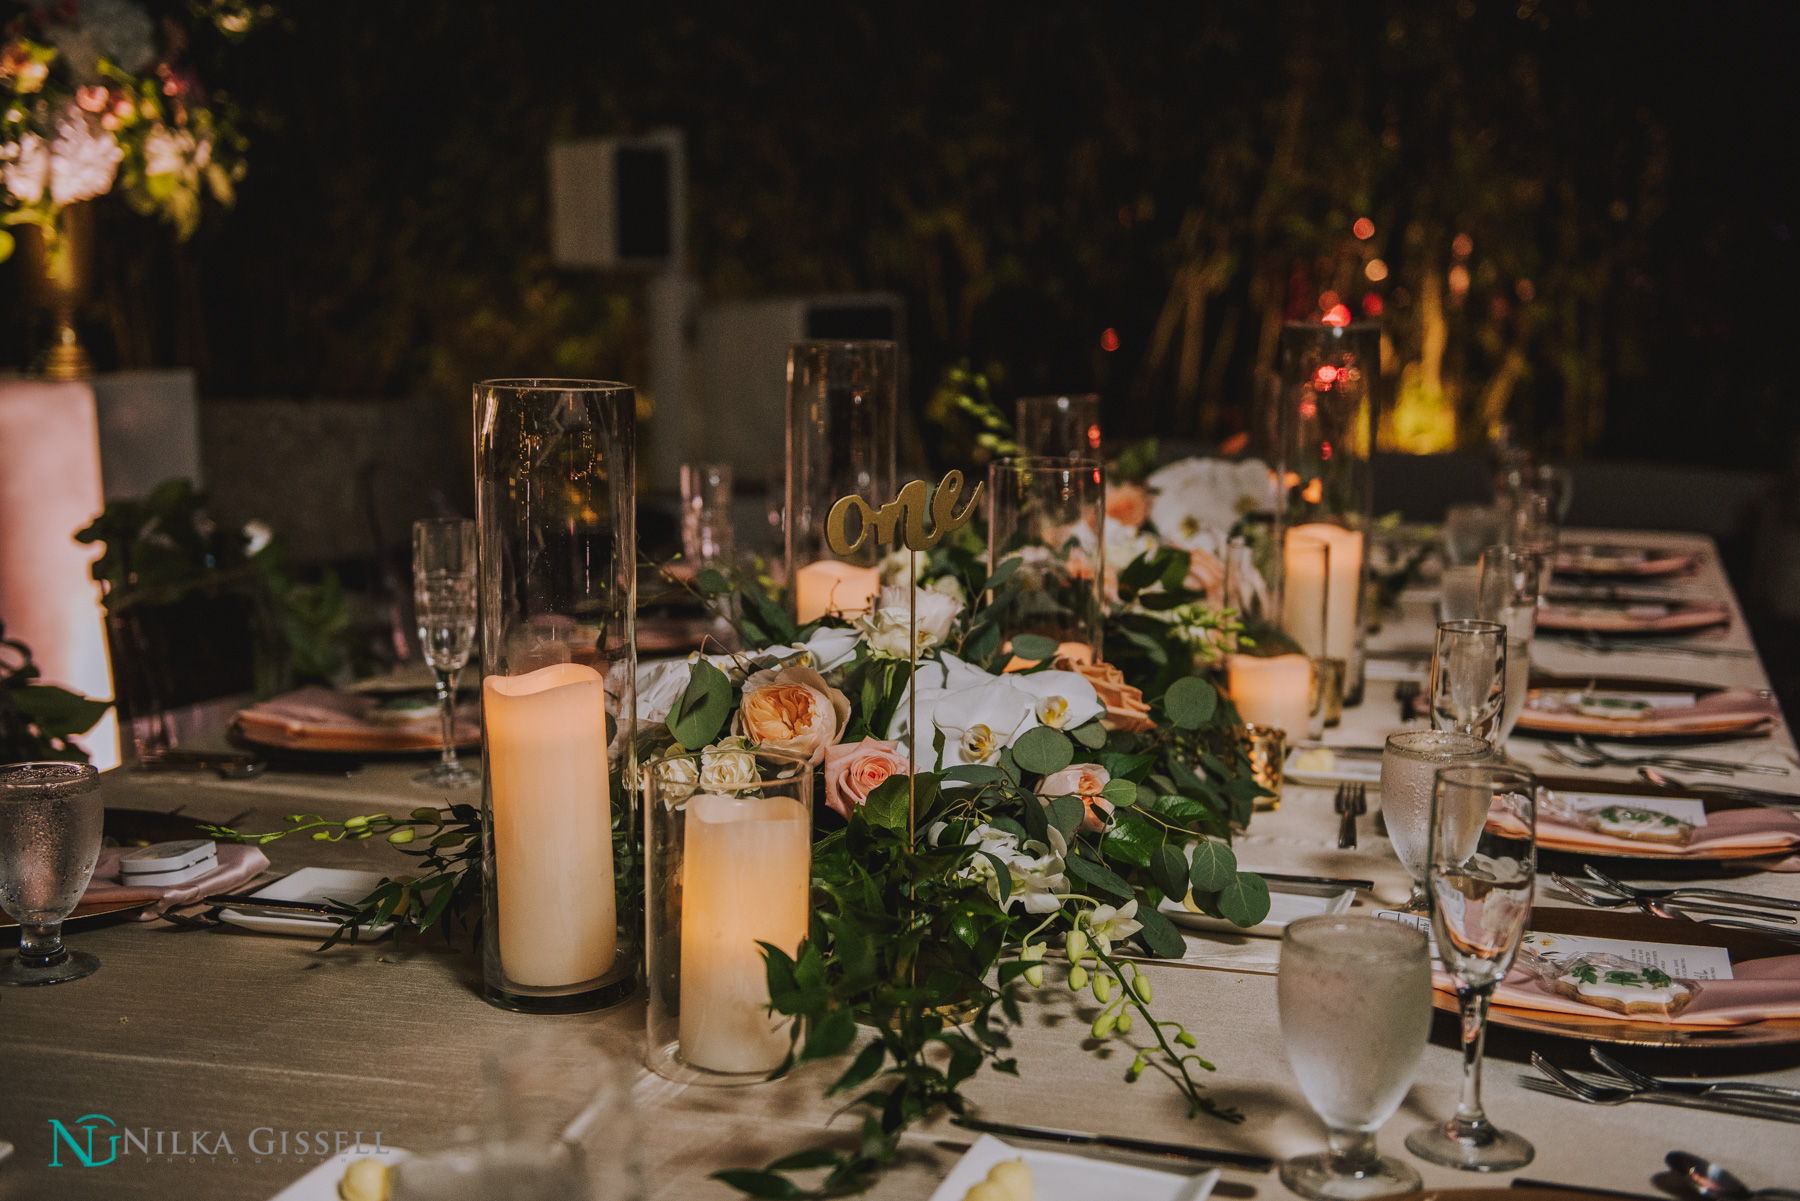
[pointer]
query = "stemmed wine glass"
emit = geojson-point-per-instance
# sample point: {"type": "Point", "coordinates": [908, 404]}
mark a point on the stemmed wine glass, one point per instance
{"type": "Point", "coordinates": [444, 596]}
{"type": "Point", "coordinates": [1468, 677]}
{"type": "Point", "coordinates": [1480, 874]}
{"type": "Point", "coordinates": [1355, 1001]}
{"type": "Point", "coordinates": [1509, 596]}
{"type": "Point", "coordinates": [50, 818]}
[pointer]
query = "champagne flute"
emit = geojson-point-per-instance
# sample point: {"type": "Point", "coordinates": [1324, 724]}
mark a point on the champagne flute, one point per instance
{"type": "Point", "coordinates": [1355, 1000]}
{"type": "Point", "coordinates": [444, 596]}
{"type": "Point", "coordinates": [1480, 873]}
{"type": "Point", "coordinates": [1509, 596]}
{"type": "Point", "coordinates": [1409, 765]}
{"type": "Point", "coordinates": [50, 817]}
{"type": "Point", "coordinates": [1468, 677]}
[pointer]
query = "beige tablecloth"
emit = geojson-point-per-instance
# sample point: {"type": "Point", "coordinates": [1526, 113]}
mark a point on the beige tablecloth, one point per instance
{"type": "Point", "coordinates": [228, 1030]}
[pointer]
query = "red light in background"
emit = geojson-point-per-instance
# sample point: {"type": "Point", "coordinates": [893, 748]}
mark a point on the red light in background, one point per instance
{"type": "Point", "coordinates": [1324, 450]}
{"type": "Point", "coordinates": [1364, 228]}
{"type": "Point", "coordinates": [1327, 300]}
{"type": "Point", "coordinates": [1339, 315]}
{"type": "Point", "coordinates": [1327, 375]}
{"type": "Point", "coordinates": [1235, 444]}
{"type": "Point", "coordinates": [1463, 246]}
{"type": "Point", "coordinates": [1308, 409]}
{"type": "Point", "coordinates": [1093, 435]}
{"type": "Point", "coordinates": [1372, 305]}
{"type": "Point", "coordinates": [1109, 341]}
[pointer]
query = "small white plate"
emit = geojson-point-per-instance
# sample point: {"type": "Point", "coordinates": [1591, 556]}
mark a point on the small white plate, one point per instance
{"type": "Point", "coordinates": [1346, 770]}
{"type": "Point", "coordinates": [1288, 902]}
{"type": "Point", "coordinates": [1059, 1177]}
{"type": "Point", "coordinates": [320, 884]}
{"type": "Point", "coordinates": [321, 1184]}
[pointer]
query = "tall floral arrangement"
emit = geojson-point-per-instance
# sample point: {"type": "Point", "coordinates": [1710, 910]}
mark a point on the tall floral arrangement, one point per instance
{"type": "Point", "coordinates": [97, 95]}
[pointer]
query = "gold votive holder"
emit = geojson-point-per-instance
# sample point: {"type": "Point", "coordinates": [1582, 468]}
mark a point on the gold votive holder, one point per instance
{"type": "Point", "coordinates": [1266, 748]}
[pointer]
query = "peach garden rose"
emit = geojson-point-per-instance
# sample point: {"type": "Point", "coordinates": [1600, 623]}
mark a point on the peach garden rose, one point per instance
{"type": "Point", "coordinates": [793, 709]}
{"type": "Point", "coordinates": [1084, 780]}
{"type": "Point", "coordinates": [852, 771]}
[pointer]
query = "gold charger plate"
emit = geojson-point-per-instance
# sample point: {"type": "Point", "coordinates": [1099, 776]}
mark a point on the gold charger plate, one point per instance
{"type": "Point", "coordinates": [1713, 803]}
{"type": "Point", "coordinates": [1615, 617]}
{"type": "Point", "coordinates": [1641, 927]}
{"type": "Point", "coordinates": [1627, 729]}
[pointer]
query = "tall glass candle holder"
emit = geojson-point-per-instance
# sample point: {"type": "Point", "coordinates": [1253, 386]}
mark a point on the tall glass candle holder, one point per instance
{"type": "Point", "coordinates": [728, 865]}
{"type": "Point", "coordinates": [1047, 513]}
{"type": "Point", "coordinates": [556, 506]}
{"type": "Point", "coordinates": [1059, 426]}
{"type": "Point", "coordinates": [706, 529]}
{"type": "Point", "coordinates": [840, 442]}
{"type": "Point", "coordinates": [1329, 406]}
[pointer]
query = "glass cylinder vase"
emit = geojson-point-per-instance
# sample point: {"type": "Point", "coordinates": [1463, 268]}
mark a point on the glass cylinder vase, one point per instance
{"type": "Point", "coordinates": [1047, 513]}
{"type": "Point", "coordinates": [728, 866]}
{"type": "Point", "coordinates": [1329, 406]}
{"type": "Point", "coordinates": [1059, 426]}
{"type": "Point", "coordinates": [841, 442]}
{"type": "Point", "coordinates": [556, 509]}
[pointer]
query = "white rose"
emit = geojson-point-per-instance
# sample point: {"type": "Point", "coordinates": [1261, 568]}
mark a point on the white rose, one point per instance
{"type": "Point", "coordinates": [889, 628]}
{"type": "Point", "coordinates": [727, 764]}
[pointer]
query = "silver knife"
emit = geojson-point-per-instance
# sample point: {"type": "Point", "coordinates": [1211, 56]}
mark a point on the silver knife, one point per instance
{"type": "Point", "coordinates": [1243, 1160]}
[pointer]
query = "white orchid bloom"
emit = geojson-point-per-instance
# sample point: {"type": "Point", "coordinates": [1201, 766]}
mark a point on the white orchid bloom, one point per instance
{"type": "Point", "coordinates": [977, 722]}
{"type": "Point", "coordinates": [1061, 699]}
{"type": "Point", "coordinates": [831, 648]}
{"type": "Point", "coordinates": [1199, 500]}
{"type": "Point", "coordinates": [1107, 925]}
{"type": "Point", "coordinates": [1036, 869]}
{"type": "Point", "coordinates": [937, 679]}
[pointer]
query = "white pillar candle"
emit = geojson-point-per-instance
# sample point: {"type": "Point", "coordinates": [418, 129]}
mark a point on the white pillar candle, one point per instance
{"type": "Point", "coordinates": [831, 587]}
{"type": "Point", "coordinates": [1276, 691]}
{"type": "Point", "coordinates": [553, 853]}
{"type": "Point", "coordinates": [1337, 589]}
{"type": "Point", "coordinates": [745, 878]}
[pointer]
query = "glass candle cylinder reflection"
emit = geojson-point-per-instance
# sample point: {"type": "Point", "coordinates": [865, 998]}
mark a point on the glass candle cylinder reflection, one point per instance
{"type": "Point", "coordinates": [552, 813]}
{"type": "Point", "coordinates": [1059, 426]}
{"type": "Point", "coordinates": [1046, 514]}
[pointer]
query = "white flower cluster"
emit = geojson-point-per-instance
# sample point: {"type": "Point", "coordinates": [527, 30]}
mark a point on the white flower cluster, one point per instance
{"type": "Point", "coordinates": [78, 164]}
{"type": "Point", "coordinates": [1197, 501]}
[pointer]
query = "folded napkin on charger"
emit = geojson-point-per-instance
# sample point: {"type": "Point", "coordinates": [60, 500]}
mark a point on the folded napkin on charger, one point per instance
{"type": "Point", "coordinates": [238, 865]}
{"type": "Point", "coordinates": [1760, 989]}
{"type": "Point", "coordinates": [1560, 709]}
{"type": "Point", "coordinates": [1737, 830]}
{"type": "Point", "coordinates": [324, 719]}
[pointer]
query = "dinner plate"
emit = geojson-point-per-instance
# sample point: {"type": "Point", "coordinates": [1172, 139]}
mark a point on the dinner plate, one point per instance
{"type": "Point", "coordinates": [1552, 840]}
{"type": "Point", "coordinates": [1630, 562]}
{"type": "Point", "coordinates": [1633, 617]}
{"type": "Point", "coordinates": [1289, 901]}
{"type": "Point", "coordinates": [309, 884]}
{"type": "Point", "coordinates": [1056, 1176]}
{"type": "Point", "coordinates": [1743, 945]}
{"type": "Point", "coordinates": [1675, 710]}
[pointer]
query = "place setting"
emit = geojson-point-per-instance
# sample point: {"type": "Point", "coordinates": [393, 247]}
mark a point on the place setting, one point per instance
{"type": "Point", "coordinates": [1185, 605]}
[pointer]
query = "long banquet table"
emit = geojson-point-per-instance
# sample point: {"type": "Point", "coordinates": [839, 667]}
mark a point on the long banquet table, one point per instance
{"type": "Point", "coordinates": [227, 1030]}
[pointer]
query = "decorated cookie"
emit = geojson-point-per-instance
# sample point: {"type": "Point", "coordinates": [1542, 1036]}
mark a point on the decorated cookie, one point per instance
{"type": "Point", "coordinates": [1631, 991]}
{"type": "Point", "coordinates": [1641, 825]}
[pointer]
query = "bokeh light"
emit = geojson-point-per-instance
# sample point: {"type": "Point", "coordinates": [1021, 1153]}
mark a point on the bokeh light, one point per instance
{"type": "Point", "coordinates": [1376, 271]}
{"type": "Point", "coordinates": [1109, 340]}
{"type": "Point", "coordinates": [1364, 228]}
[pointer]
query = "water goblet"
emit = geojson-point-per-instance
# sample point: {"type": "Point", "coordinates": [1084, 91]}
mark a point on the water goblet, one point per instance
{"type": "Point", "coordinates": [1355, 1000]}
{"type": "Point", "coordinates": [50, 817]}
{"type": "Point", "coordinates": [1509, 595]}
{"type": "Point", "coordinates": [1409, 765]}
{"type": "Point", "coordinates": [444, 596]}
{"type": "Point", "coordinates": [1468, 677]}
{"type": "Point", "coordinates": [1468, 530]}
{"type": "Point", "coordinates": [1480, 873]}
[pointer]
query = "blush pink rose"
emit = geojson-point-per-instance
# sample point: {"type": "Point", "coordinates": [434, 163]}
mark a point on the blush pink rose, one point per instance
{"type": "Point", "coordinates": [1128, 504]}
{"type": "Point", "coordinates": [852, 770]}
{"type": "Point", "coordinates": [1084, 780]}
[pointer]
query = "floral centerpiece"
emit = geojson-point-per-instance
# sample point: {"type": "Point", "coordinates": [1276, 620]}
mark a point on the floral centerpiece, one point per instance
{"type": "Point", "coordinates": [982, 803]}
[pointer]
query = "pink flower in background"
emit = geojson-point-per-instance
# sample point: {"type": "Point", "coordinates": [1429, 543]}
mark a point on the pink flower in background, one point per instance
{"type": "Point", "coordinates": [852, 771]}
{"type": "Point", "coordinates": [83, 159]}
{"type": "Point", "coordinates": [27, 168]}
{"type": "Point", "coordinates": [92, 99]}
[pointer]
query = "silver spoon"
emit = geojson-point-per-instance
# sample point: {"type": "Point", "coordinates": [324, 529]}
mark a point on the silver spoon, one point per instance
{"type": "Point", "coordinates": [1714, 1183]}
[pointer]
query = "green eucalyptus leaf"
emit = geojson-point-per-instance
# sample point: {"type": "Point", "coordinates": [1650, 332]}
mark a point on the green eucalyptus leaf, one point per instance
{"type": "Point", "coordinates": [1191, 702]}
{"type": "Point", "coordinates": [1003, 573]}
{"type": "Point", "coordinates": [1245, 901]}
{"type": "Point", "coordinates": [1099, 879]}
{"type": "Point", "coordinates": [1126, 767]}
{"type": "Point", "coordinates": [1034, 647]}
{"type": "Point", "coordinates": [1066, 814]}
{"type": "Point", "coordinates": [973, 773]}
{"type": "Point", "coordinates": [887, 803]}
{"type": "Point", "coordinates": [1133, 841]}
{"type": "Point", "coordinates": [1214, 865]}
{"type": "Point", "coordinates": [699, 716]}
{"type": "Point", "coordinates": [1122, 793]}
{"type": "Point", "coordinates": [1169, 869]}
{"type": "Point", "coordinates": [712, 581]}
{"type": "Point", "coordinates": [1159, 935]}
{"type": "Point", "coordinates": [1036, 821]}
{"type": "Point", "coordinates": [1090, 734]}
{"type": "Point", "coordinates": [1043, 750]}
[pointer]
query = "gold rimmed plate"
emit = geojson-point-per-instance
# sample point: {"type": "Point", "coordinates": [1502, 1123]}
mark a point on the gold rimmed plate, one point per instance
{"type": "Point", "coordinates": [1621, 562]}
{"type": "Point", "coordinates": [1678, 710]}
{"type": "Point", "coordinates": [1632, 617]}
{"type": "Point", "coordinates": [1743, 946]}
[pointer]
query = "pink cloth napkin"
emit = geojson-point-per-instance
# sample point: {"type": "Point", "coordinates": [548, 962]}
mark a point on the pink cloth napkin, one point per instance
{"type": "Point", "coordinates": [1732, 705]}
{"type": "Point", "coordinates": [1759, 990]}
{"type": "Point", "coordinates": [341, 719]}
{"type": "Point", "coordinates": [1727, 829]}
{"type": "Point", "coordinates": [238, 865]}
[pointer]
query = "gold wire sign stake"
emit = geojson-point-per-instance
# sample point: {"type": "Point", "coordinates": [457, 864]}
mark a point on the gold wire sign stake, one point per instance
{"type": "Point", "coordinates": [903, 519]}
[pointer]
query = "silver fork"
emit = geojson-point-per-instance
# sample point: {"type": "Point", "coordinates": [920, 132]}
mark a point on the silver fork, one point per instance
{"type": "Point", "coordinates": [1675, 894]}
{"type": "Point", "coordinates": [1670, 907]}
{"type": "Point", "coordinates": [1722, 767]}
{"type": "Point", "coordinates": [1597, 1094]}
{"type": "Point", "coordinates": [1351, 802]}
{"type": "Point", "coordinates": [1694, 1088]}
